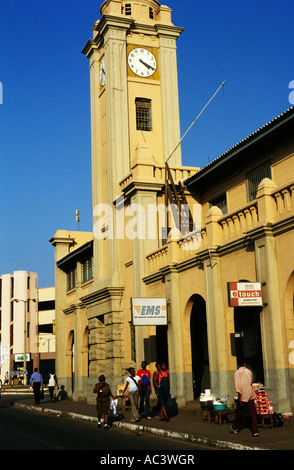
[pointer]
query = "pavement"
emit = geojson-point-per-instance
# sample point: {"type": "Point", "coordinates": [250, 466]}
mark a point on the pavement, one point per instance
{"type": "Point", "coordinates": [187, 425]}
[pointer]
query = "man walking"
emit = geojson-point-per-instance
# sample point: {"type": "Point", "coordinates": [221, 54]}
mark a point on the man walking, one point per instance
{"type": "Point", "coordinates": [246, 396]}
{"type": "Point", "coordinates": [37, 380]}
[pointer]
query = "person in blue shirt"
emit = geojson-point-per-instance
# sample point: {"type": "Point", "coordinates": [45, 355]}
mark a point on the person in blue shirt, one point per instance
{"type": "Point", "coordinates": [37, 380]}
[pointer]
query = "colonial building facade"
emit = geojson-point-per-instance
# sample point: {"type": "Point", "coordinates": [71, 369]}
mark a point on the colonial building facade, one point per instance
{"type": "Point", "coordinates": [174, 250]}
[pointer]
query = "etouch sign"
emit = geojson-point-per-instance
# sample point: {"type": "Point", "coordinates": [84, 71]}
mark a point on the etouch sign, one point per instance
{"type": "Point", "coordinates": [244, 294]}
{"type": "Point", "coordinates": [149, 311]}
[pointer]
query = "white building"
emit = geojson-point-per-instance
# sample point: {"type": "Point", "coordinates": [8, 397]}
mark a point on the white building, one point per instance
{"type": "Point", "coordinates": [46, 326]}
{"type": "Point", "coordinates": [19, 323]}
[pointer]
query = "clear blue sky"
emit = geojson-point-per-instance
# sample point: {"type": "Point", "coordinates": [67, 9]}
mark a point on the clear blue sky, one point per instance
{"type": "Point", "coordinates": [45, 115]}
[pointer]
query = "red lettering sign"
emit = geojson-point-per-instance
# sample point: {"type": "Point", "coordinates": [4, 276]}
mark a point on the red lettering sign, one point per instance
{"type": "Point", "coordinates": [244, 294]}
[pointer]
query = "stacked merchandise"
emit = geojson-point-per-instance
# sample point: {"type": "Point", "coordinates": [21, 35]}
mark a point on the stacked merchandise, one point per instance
{"type": "Point", "coordinates": [262, 403]}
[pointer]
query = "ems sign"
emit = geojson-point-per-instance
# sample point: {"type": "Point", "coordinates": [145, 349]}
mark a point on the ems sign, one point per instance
{"type": "Point", "coordinates": [244, 294]}
{"type": "Point", "coordinates": [149, 311]}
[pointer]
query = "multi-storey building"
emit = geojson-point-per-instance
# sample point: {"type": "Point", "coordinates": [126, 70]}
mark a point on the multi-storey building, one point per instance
{"type": "Point", "coordinates": [19, 295]}
{"type": "Point", "coordinates": [46, 329]}
{"type": "Point", "coordinates": [73, 279]}
{"type": "Point", "coordinates": [160, 280]}
{"type": "Point", "coordinates": [25, 332]}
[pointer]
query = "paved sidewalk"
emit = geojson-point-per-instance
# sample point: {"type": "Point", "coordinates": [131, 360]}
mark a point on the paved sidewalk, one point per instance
{"type": "Point", "coordinates": [187, 425]}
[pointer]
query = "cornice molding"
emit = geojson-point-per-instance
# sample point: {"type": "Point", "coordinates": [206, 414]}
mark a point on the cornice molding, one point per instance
{"type": "Point", "coordinates": [101, 295]}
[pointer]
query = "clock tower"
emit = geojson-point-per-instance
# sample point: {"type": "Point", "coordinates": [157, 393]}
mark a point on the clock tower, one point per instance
{"type": "Point", "coordinates": [134, 89]}
{"type": "Point", "coordinates": [135, 128]}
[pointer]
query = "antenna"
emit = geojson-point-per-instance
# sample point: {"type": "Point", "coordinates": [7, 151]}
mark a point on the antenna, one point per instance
{"type": "Point", "coordinates": [208, 102]}
{"type": "Point", "coordinates": [78, 217]}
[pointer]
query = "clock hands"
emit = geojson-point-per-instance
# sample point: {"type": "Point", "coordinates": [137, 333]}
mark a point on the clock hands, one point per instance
{"type": "Point", "coordinates": [146, 65]}
{"type": "Point", "coordinates": [142, 62]}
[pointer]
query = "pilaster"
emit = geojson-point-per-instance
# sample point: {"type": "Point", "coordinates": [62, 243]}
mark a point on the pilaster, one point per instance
{"type": "Point", "coordinates": [169, 92]}
{"type": "Point", "coordinates": [216, 324]}
{"type": "Point", "coordinates": [274, 345]}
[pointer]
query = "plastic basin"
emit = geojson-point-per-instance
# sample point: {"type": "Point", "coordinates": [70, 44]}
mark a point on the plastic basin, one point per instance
{"type": "Point", "coordinates": [220, 407]}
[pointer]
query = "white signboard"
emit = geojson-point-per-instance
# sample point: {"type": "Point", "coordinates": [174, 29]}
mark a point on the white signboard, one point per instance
{"type": "Point", "coordinates": [244, 294]}
{"type": "Point", "coordinates": [149, 311]}
{"type": "Point", "coordinates": [5, 354]}
{"type": "Point", "coordinates": [20, 357]}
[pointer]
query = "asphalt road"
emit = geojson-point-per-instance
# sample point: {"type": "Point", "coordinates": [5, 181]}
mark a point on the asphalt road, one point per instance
{"type": "Point", "coordinates": [29, 430]}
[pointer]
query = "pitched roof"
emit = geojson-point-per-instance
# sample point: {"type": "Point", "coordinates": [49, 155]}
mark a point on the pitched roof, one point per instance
{"type": "Point", "coordinates": [243, 144]}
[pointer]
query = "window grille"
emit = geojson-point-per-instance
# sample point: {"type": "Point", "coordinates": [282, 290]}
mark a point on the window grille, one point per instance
{"type": "Point", "coordinates": [128, 9]}
{"type": "Point", "coordinates": [255, 176]}
{"type": "Point", "coordinates": [87, 270]}
{"type": "Point", "coordinates": [151, 13]}
{"type": "Point", "coordinates": [143, 114]}
{"type": "Point", "coordinates": [71, 279]}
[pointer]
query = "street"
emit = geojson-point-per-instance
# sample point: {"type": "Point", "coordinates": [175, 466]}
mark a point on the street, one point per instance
{"type": "Point", "coordinates": [28, 430]}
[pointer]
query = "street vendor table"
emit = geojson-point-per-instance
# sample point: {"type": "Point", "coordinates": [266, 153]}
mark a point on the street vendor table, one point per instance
{"type": "Point", "coordinates": [206, 415]}
{"type": "Point", "coordinates": [212, 415]}
{"type": "Point", "coordinates": [220, 413]}
{"type": "Point", "coordinates": [267, 420]}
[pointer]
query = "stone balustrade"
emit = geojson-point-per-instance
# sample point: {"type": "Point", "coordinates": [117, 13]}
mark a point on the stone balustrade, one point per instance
{"type": "Point", "coordinates": [271, 205]}
{"type": "Point", "coordinates": [156, 172]}
{"type": "Point", "coordinates": [284, 199]}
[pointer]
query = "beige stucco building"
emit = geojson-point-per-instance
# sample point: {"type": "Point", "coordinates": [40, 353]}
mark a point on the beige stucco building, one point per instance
{"type": "Point", "coordinates": [242, 208]}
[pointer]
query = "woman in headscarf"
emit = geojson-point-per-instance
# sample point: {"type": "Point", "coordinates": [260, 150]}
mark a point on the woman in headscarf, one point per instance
{"type": "Point", "coordinates": [103, 400]}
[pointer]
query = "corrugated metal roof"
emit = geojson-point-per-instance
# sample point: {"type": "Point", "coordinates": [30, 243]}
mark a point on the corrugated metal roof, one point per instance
{"type": "Point", "coordinates": [73, 255]}
{"type": "Point", "coordinates": [262, 131]}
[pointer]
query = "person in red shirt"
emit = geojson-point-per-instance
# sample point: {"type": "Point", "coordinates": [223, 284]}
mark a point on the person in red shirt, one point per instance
{"type": "Point", "coordinates": [163, 390]}
{"type": "Point", "coordinates": [145, 388]}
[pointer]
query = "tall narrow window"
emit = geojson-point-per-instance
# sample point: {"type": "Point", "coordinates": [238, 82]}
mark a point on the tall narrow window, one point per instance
{"type": "Point", "coordinates": [151, 13]}
{"type": "Point", "coordinates": [12, 311]}
{"type": "Point", "coordinates": [87, 270]}
{"type": "Point", "coordinates": [255, 176]}
{"type": "Point", "coordinates": [71, 279]}
{"type": "Point", "coordinates": [143, 114]}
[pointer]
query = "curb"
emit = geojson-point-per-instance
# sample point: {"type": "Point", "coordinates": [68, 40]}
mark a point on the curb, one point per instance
{"type": "Point", "coordinates": [224, 445]}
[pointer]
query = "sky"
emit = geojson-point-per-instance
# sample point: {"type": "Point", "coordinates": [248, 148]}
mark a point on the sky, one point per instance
{"type": "Point", "coordinates": [45, 135]}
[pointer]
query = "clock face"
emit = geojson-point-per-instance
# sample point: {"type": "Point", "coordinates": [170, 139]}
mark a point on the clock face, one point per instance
{"type": "Point", "coordinates": [102, 72]}
{"type": "Point", "coordinates": [142, 62]}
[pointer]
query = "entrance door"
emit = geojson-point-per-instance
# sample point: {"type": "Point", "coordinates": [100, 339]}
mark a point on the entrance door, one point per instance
{"type": "Point", "coordinates": [161, 344]}
{"type": "Point", "coordinates": [248, 340]}
{"type": "Point", "coordinates": [200, 360]}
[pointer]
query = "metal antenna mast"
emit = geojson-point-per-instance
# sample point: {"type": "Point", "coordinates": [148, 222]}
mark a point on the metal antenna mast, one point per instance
{"type": "Point", "coordinates": [196, 120]}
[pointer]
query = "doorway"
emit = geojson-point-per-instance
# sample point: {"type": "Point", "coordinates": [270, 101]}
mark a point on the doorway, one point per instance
{"type": "Point", "coordinates": [248, 340]}
{"type": "Point", "coordinates": [199, 346]}
{"type": "Point", "coordinates": [161, 344]}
